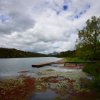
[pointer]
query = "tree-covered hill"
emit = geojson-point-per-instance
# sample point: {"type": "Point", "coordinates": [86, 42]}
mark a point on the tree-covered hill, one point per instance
{"type": "Point", "coordinates": [65, 54]}
{"type": "Point", "coordinates": [14, 53]}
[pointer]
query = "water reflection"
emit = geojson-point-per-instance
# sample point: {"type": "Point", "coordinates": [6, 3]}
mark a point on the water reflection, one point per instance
{"type": "Point", "coordinates": [47, 95]}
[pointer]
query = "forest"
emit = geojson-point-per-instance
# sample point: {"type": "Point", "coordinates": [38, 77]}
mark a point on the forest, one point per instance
{"type": "Point", "coordinates": [14, 53]}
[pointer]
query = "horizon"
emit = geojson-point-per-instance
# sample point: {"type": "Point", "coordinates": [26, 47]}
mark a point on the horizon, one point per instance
{"type": "Point", "coordinates": [37, 52]}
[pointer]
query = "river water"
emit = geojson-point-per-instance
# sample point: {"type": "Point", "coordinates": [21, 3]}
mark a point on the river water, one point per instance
{"type": "Point", "coordinates": [11, 66]}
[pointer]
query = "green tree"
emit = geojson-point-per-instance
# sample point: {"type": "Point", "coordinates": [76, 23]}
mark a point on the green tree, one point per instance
{"type": "Point", "coordinates": [88, 46]}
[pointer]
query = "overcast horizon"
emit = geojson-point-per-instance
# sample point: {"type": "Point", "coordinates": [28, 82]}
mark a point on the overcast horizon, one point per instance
{"type": "Point", "coordinates": [44, 26]}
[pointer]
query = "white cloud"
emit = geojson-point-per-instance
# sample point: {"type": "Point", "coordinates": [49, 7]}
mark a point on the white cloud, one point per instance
{"type": "Point", "coordinates": [44, 25]}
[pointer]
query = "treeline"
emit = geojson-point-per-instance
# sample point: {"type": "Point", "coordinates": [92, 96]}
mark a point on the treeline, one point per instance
{"type": "Point", "coordinates": [88, 48]}
{"type": "Point", "coordinates": [66, 54]}
{"type": "Point", "coordinates": [88, 43]}
{"type": "Point", "coordinates": [14, 53]}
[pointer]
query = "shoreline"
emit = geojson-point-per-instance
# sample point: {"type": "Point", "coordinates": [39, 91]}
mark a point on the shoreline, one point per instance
{"type": "Point", "coordinates": [66, 84]}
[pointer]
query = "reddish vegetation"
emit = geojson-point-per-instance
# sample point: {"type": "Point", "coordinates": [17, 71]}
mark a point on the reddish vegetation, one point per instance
{"type": "Point", "coordinates": [23, 71]}
{"type": "Point", "coordinates": [20, 91]}
{"type": "Point", "coordinates": [51, 79]}
{"type": "Point", "coordinates": [56, 79]}
{"type": "Point", "coordinates": [73, 66]}
{"type": "Point", "coordinates": [85, 96]}
{"type": "Point", "coordinates": [70, 80]}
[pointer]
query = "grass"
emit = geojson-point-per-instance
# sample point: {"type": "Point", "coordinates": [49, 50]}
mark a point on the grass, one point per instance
{"type": "Point", "coordinates": [74, 59]}
{"type": "Point", "coordinates": [49, 70]}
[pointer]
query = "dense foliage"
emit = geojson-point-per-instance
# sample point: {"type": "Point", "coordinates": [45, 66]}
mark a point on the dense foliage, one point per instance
{"type": "Point", "coordinates": [74, 59]}
{"type": "Point", "coordinates": [94, 71]}
{"type": "Point", "coordinates": [14, 53]}
{"type": "Point", "coordinates": [66, 54]}
{"type": "Point", "coordinates": [88, 46]}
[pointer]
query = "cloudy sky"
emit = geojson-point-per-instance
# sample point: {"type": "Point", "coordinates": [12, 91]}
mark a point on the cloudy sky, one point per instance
{"type": "Point", "coordinates": [44, 25]}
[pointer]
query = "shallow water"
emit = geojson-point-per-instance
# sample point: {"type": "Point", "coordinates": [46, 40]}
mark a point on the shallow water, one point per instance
{"type": "Point", "coordinates": [47, 95]}
{"type": "Point", "coordinates": [23, 66]}
{"type": "Point", "coordinates": [11, 66]}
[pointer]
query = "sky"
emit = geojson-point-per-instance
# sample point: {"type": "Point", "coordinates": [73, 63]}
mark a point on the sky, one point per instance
{"type": "Point", "coordinates": [44, 26]}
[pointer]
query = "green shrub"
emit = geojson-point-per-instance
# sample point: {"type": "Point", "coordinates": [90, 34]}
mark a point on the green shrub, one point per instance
{"type": "Point", "coordinates": [73, 59]}
{"type": "Point", "coordinates": [94, 71]}
{"type": "Point", "coordinates": [95, 83]}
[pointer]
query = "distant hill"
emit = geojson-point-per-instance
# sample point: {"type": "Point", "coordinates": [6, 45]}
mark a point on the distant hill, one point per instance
{"type": "Point", "coordinates": [14, 53]}
{"type": "Point", "coordinates": [65, 54]}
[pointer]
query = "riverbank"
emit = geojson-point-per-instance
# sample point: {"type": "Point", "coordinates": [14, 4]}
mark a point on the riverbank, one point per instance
{"type": "Point", "coordinates": [48, 83]}
{"type": "Point", "coordinates": [63, 86]}
{"type": "Point", "coordinates": [70, 65]}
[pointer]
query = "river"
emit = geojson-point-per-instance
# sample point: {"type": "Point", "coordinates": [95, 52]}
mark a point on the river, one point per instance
{"type": "Point", "coordinates": [51, 81]}
{"type": "Point", "coordinates": [11, 66]}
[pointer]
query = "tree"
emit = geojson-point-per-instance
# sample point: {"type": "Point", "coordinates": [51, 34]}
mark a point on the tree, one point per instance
{"type": "Point", "coordinates": [89, 40]}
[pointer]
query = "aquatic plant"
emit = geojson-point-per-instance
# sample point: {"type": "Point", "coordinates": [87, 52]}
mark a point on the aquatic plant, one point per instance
{"type": "Point", "coordinates": [16, 89]}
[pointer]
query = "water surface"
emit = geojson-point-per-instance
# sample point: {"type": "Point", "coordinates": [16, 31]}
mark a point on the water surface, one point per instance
{"type": "Point", "coordinates": [11, 66]}
{"type": "Point", "coordinates": [45, 90]}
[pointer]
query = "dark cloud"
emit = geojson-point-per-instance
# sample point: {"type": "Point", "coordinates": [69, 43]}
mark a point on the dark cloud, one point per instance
{"type": "Point", "coordinates": [15, 17]}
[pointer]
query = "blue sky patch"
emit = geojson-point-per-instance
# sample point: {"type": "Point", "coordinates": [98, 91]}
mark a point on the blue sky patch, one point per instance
{"type": "Point", "coordinates": [79, 13]}
{"type": "Point", "coordinates": [3, 18]}
{"type": "Point", "coordinates": [65, 7]}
